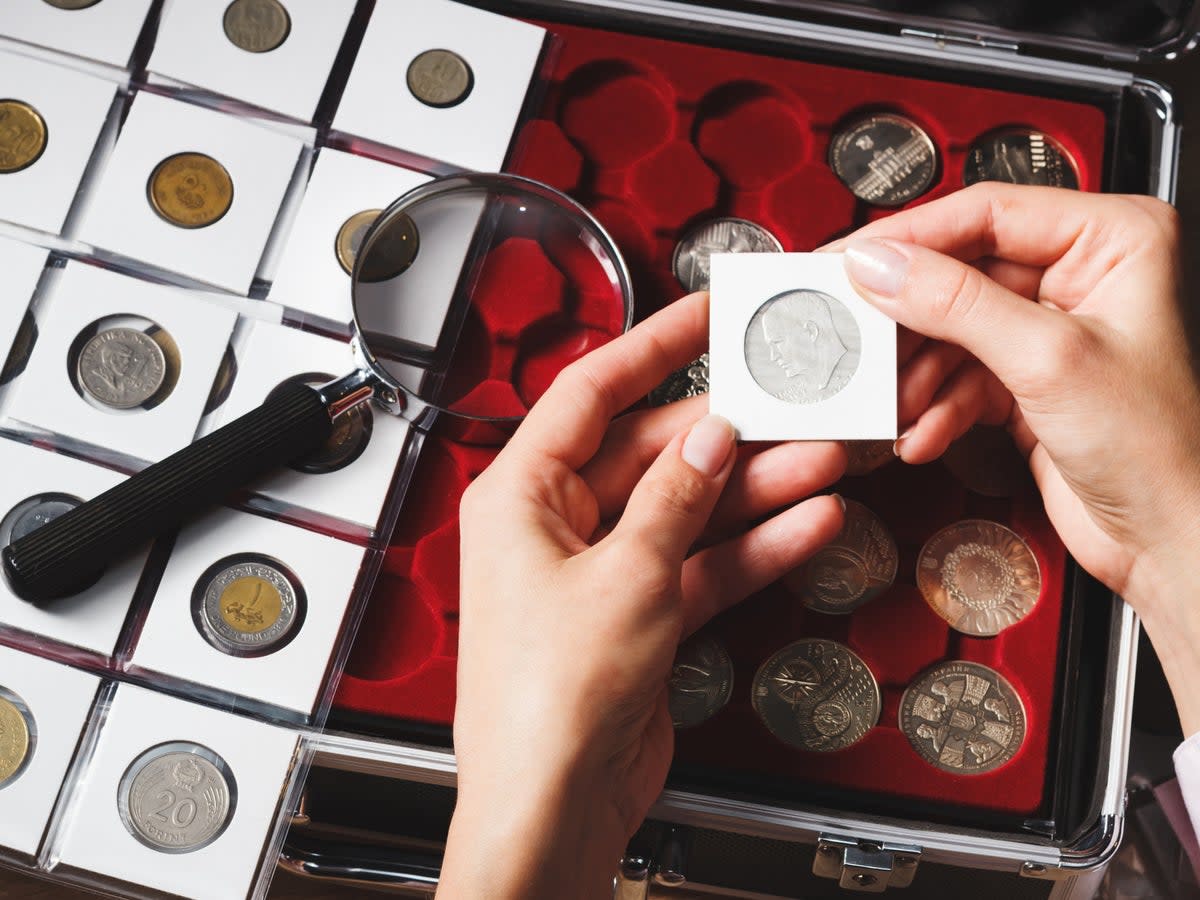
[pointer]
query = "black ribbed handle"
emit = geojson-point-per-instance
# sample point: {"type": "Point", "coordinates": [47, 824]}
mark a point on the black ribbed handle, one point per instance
{"type": "Point", "coordinates": [63, 557]}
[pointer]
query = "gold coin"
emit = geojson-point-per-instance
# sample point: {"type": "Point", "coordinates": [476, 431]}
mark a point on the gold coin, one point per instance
{"type": "Point", "coordinates": [350, 236]}
{"type": "Point", "coordinates": [251, 604]}
{"type": "Point", "coordinates": [979, 576]}
{"type": "Point", "coordinates": [72, 4]}
{"type": "Point", "coordinates": [190, 190]}
{"type": "Point", "coordinates": [14, 740]}
{"type": "Point", "coordinates": [257, 26]}
{"type": "Point", "coordinates": [23, 136]}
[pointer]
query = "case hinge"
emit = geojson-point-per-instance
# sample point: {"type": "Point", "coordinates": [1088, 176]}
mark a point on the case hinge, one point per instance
{"type": "Point", "coordinates": [942, 38]}
{"type": "Point", "coordinates": [868, 866]}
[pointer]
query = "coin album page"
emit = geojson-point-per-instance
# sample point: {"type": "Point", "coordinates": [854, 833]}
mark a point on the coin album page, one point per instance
{"type": "Point", "coordinates": [795, 353]}
{"type": "Point", "coordinates": [105, 32]}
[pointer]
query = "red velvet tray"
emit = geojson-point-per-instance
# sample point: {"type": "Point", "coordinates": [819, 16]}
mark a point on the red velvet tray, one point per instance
{"type": "Point", "coordinates": [655, 136]}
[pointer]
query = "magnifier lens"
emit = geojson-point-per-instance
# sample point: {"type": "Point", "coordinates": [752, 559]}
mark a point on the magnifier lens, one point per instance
{"type": "Point", "coordinates": [472, 293]}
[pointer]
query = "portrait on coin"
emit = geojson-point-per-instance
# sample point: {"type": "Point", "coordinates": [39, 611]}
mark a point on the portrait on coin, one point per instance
{"type": "Point", "coordinates": [804, 345]}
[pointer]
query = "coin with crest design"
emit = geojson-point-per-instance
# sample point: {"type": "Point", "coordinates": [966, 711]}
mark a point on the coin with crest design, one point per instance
{"type": "Point", "coordinates": [177, 797]}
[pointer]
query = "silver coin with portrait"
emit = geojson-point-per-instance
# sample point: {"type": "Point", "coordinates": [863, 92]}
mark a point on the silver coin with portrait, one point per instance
{"type": "Point", "coordinates": [803, 346]}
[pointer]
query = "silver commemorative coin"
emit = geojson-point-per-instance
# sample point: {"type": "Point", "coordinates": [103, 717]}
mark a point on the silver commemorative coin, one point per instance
{"type": "Point", "coordinates": [884, 159]}
{"type": "Point", "coordinates": [177, 797]}
{"type": "Point", "coordinates": [1020, 156]}
{"type": "Point", "coordinates": [257, 26]}
{"type": "Point", "coordinates": [440, 78]}
{"type": "Point", "coordinates": [817, 695]}
{"type": "Point", "coordinates": [121, 368]}
{"type": "Point", "coordinates": [854, 568]}
{"type": "Point", "coordinates": [30, 515]}
{"type": "Point", "coordinates": [247, 607]}
{"type": "Point", "coordinates": [690, 381]}
{"type": "Point", "coordinates": [692, 254]}
{"type": "Point", "coordinates": [803, 346]}
{"type": "Point", "coordinates": [963, 718]}
{"type": "Point", "coordinates": [701, 681]}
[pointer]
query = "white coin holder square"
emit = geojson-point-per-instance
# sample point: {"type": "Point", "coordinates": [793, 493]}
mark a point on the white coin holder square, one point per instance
{"type": "Point", "coordinates": [74, 108]}
{"type": "Point", "coordinates": [22, 265]}
{"type": "Point", "coordinates": [225, 254]}
{"type": "Point", "coordinates": [94, 837]}
{"type": "Point", "coordinates": [192, 47]}
{"type": "Point", "coordinates": [291, 677]}
{"type": "Point", "coordinates": [92, 620]}
{"type": "Point", "coordinates": [106, 32]}
{"type": "Point", "coordinates": [310, 278]}
{"type": "Point", "coordinates": [57, 701]}
{"type": "Point", "coordinates": [271, 355]}
{"type": "Point", "coordinates": [502, 55]}
{"type": "Point", "coordinates": [796, 353]}
{"type": "Point", "coordinates": [45, 396]}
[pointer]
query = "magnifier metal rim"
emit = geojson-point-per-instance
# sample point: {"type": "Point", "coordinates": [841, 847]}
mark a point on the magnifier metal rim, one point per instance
{"type": "Point", "coordinates": [477, 181]}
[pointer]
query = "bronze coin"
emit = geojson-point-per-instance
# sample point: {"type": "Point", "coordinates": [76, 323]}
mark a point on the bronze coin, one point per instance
{"type": "Point", "coordinates": [979, 576]}
{"type": "Point", "coordinates": [190, 190]}
{"type": "Point", "coordinates": [440, 78]}
{"type": "Point", "coordinates": [23, 136]}
{"type": "Point", "coordinates": [257, 26]}
{"type": "Point", "coordinates": [963, 718]}
{"type": "Point", "coordinates": [1020, 156]}
{"type": "Point", "coordinates": [854, 568]}
{"type": "Point", "coordinates": [884, 159]}
{"type": "Point", "coordinates": [701, 681]}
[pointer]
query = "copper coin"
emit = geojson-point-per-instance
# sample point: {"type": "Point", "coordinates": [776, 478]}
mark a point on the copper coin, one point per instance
{"type": "Point", "coordinates": [817, 695]}
{"type": "Point", "coordinates": [864, 457]}
{"type": "Point", "coordinates": [963, 718]}
{"type": "Point", "coordinates": [23, 136]}
{"type": "Point", "coordinates": [1020, 156]}
{"type": "Point", "coordinates": [190, 190]}
{"type": "Point", "coordinates": [440, 78]}
{"type": "Point", "coordinates": [257, 26]}
{"type": "Point", "coordinates": [884, 159]}
{"type": "Point", "coordinates": [987, 461]}
{"type": "Point", "coordinates": [979, 576]}
{"type": "Point", "coordinates": [854, 568]}
{"type": "Point", "coordinates": [701, 681]}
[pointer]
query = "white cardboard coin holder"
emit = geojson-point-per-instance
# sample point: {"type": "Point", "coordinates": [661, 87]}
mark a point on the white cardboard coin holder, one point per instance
{"type": "Point", "coordinates": [45, 397]}
{"type": "Point", "coordinates": [292, 677]}
{"type": "Point", "coordinates": [22, 265]}
{"type": "Point", "coordinates": [742, 284]}
{"type": "Point", "coordinates": [377, 106]}
{"type": "Point", "coordinates": [192, 48]}
{"type": "Point", "coordinates": [225, 254]}
{"type": "Point", "coordinates": [106, 32]}
{"type": "Point", "coordinates": [94, 619]}
{"type": "Point", "coordinates": [271, 355]}
{"type": "Point", "coordinates": [75, 107]}
{"type": "Point", "coordinates": [92, 839]}
{"type": "Point", "coordinates": [309, 280]}
{"type": "Point", "coordinates": [59, 701]}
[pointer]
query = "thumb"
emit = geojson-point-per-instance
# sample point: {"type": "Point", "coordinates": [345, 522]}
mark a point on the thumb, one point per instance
{"type": "Point", "coordinates": [670, 506]}
{"type": "Point", "coordinates": [940, 297]}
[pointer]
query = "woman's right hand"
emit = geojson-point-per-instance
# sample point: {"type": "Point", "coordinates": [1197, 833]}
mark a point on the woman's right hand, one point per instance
{"type": "Point", "coordinates": [1057, 313]}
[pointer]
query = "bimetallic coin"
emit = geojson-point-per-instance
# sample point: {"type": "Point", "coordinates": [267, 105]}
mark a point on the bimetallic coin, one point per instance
{"type": "Point", "coordinates": [23, 136]}
{"type": "Point", "coordinates": [393, 248]}
{"type": "Point", "coordinates": [701, 681]}
{"type": "Point", "coordinates": [440, 78]}
{"type": "Point", "coordinates": [884, 159]}
{"type": "Point", "coordinates": [247, 606]}
{"type": "Point", "coordinates": [803, 346]}
{"type": "Point", "coordinates": [32, 514]}
{"type": "Point", "coordinates": [817, 695]}
{"type": "Point", "coordinates": [190, 190]}
{"type": "Point", "coordinates": [121, 368]}
{"type": "Point", "coordinates": [350, 235]}
{"type": "Point", "coordinates": [693, 254]}
{"type": "Point", "coordinates": [1020, 156]}
{"type": "Point", "coordinates": [987, 461]}
{"type": "Point", "coordinates": [258, 26]}
{"type": "Point", "coordinates": [854, 568]}
{"type": "Point", "coordinates": [963, 718]}
{"type": "Point", "coordinates": [72, 4]}
{"type": "Point", "coordinates": [177, 798]}
{"type": "Point", "coordinates": [979, 576]}
{"type": "Point", "coordinates": [864, 457]}
{"type": "Point", "coordinates": [17, 737]}
{"type": "Point", "coordinates": [690, 381]}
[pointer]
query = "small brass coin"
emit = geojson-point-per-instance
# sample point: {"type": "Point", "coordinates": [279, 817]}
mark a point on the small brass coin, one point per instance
{"type": "Point", "coordinates": [257, 26]}
{"type": "Point", "coordinates": [350, 236]}
{"type": "Point", "coordinates": [23, 136]}
{"type": "Point", "coordinates": [190, 190]}
{"type": "Point", "coordinates": [15, 740]}
{"type": "Point", "coordinates": [440, 78]}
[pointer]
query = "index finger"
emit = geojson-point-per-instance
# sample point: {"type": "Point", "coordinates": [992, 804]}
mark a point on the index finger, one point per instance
{"type": "Point", "coordinates": [569, 421]}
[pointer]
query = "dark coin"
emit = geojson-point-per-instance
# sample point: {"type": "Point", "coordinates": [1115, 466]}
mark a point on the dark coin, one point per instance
{"type": "Point", "coordinates": [987, 461]}
{"type": "Point", "coordinates": [864, 457]}
{"type": "Point", "coordinates": [350, 236]}
{"type": "Point", "coordinates": [854, 568]}
{"type": "Point", "coordinates": [177, 798]}
{"type": "Point", "coordinates": [884, 159]}
{"type": "Point", "coordinates": [963, 718]}
{"type": "Point", "coordinates": [257, 26]}
{"type": "Point", "coordinates": [690, 381]}
{"type": "Point", "coordinates": [72, 4]}
{"type": "Point", "coordinates": [1020, 156]}
{"type": "Point", "coordinates": [701, 681]}
{"type": "Point", "coordinates": [392, 249]}
{"type": "Point", "coordinates": [346, 442]}
{"type": "Point", "coordinates": [440, 78]}
{"type": "Point", "coordinates": [817, 695]}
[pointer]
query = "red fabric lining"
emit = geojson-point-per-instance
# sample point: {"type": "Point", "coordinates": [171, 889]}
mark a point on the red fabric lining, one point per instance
{"type": "Point", "coordinates": [655, 136]}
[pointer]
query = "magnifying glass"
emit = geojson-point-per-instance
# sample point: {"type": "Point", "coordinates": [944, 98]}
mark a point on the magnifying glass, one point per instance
{"type": "Point", "coordinates": [469, 294]}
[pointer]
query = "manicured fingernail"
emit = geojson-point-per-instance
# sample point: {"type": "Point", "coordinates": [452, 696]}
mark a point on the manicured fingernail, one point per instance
{"type": "Point", "coordinates": [899, 445]}
{"type": "Point", "coordinates": [707, 446]}
{"type": "Point", "coordinates": [876, 266]}
{"type": "Point", "coordinates": [840, 499]}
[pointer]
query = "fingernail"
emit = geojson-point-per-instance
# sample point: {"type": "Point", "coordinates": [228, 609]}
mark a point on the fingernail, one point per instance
{"type": "Point", "coordinates": [899, 445]}
{"type": "Point", "coordinates": [707, 446]}
{"type": "Point", "coordinates": [876, 266]}
{"type": "Point", "coordinates": [840, 499]}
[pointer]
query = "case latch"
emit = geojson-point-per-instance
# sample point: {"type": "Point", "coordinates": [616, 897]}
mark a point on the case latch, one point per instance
{"type": "Point", "coordinates": [942, 38]}
{"type": "Point", "coordinates": [867, 866]}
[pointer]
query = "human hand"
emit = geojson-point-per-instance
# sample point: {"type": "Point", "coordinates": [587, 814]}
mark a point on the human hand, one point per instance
{"type": "Point", "coordinates": [1094, 378]}
{"type": "Point", "coordinates": [576, 588]}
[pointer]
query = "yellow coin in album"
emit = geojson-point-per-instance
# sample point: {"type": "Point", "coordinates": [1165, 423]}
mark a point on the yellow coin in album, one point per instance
{"type": "Point", "coordinates": [190, 190]}
{"type": "Point", "coordinates": [251, 604]}
{"type": "Point", "coordinates": [23, 136]}
{"type": "Point", "coordinates": [14, 740]}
